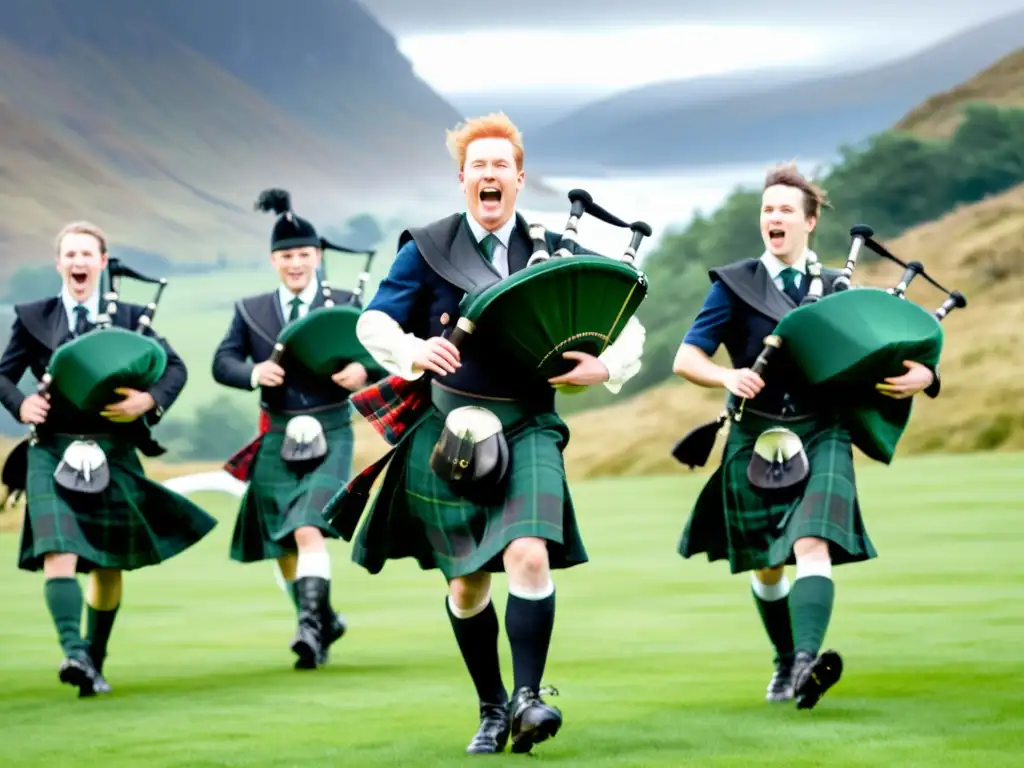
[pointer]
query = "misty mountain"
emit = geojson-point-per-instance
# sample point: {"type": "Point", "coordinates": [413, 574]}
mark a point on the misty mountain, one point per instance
{"type": "Point", "coordinates": [751, 117]}
{"type": "Point", "coordinates": [162, 121]}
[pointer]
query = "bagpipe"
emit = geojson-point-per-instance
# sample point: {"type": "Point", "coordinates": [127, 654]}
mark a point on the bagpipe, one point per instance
{"type": "Point", "coordinates": [86, 372]}
{"type": "Point", "coordinates": [324, 340]}
{"type": "Point", "coordinates": [842, 344]}
{"type": "Point", "coordinates": [572, 299]}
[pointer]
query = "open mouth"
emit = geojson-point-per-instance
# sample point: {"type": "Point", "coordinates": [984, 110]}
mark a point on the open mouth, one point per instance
{"type": "Point", "coordinates": [490, 196]}
{"type": "Point", "coordinates": [79, 278]}
{"type": "Point", "coordinates": [777, 237]}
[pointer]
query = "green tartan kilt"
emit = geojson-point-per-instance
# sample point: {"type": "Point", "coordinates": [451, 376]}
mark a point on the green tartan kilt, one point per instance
{"type": "Point", "coordinates": [134, 523]}
{"type": "Point", "coordinates": [415, 514]}
{"type": "Point", "coordinates": [755, 529]}
{"type": "Point", "coordinates": [282, 498]}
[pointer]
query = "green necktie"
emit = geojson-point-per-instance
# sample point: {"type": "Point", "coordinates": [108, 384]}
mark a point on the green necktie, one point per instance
{"type": "Point", "coordinates": [81, 319]}
{"type": "Point", "coordinates": [788, 276]}
{"type": "Point", "coordinates": [295, 304]}
{"type": "Point", "coordinates": [489, 244]}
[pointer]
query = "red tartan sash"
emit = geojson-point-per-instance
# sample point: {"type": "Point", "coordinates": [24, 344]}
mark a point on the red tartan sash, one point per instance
{"type": "Point", "coordinates": [393, 404]}
{"type": "Point", "coordinates": [240, 464]}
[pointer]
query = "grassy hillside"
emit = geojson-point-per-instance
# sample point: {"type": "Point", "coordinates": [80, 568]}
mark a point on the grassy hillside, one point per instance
{"type": "Point", "coordinates": [978, 249]}
{"type": "Point", "coordinates": [1001, 84]}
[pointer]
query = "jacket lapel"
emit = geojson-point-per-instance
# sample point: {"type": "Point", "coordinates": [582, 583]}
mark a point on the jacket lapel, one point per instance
{"type": "Point", "coordinates": [467, 256]}
{"type": "Point", "coordinates": [318, 300]}
{"type": "Point", "coordinates": [519, 245]}
{"type": "Point", "coordinates": [754, 287]}
{"type": "Point", "coordinates": [60, 330]}
{"type": "Point", "coordinates": [263, 315]}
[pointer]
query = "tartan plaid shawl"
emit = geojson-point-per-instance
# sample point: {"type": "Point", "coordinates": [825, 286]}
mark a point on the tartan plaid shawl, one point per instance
{"type": "Point", "coordinates": [393, 405]}
{"type": "Point", "coordinates": [239, 465]}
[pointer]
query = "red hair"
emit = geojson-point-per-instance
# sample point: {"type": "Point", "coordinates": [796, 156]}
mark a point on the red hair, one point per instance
{"type": "Point", "coordinates": [493, 126]}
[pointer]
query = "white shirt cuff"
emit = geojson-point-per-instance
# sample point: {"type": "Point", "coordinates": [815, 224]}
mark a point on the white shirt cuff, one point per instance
{"type": "Point", "coordinates": [392, 348]}
{"type": "Point", "coordinates": [622, 358]}
{"type": "Point", "coordinates": [254, 378]}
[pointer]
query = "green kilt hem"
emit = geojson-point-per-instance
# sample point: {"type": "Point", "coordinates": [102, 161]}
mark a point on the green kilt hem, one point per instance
{"type": "Point", "coordinates": [282, 498]}
{"type": "Point", "coordinates": [132, 524]}
{"type": "Point", "coordinates": [755, 529]}
{"type": "Point", "coordinates": [415, 514]}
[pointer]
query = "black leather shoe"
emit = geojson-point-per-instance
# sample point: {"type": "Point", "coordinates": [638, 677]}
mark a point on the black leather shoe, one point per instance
{"type": "Point", "coordinates": [533, 720]}
{"type": "Point", "coordinates": [813, 676]}
{"type": "Point", "coordinates": [492, 736]}
{"type": "Point", "coordinates": [78, 670]}
{"type": "Point", "coordinates": [334, 634]}
{"type": "Point", "coordinates": [308, 642]}
{"type": "Point", "coordinates": [780, 687]}
{"type": "Point", "coordinates": [100, 686]}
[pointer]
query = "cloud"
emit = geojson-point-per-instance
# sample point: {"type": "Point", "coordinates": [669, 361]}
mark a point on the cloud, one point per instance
{"type": "Point", "coordinates": [475, 62]}
{"type": "Point", "coordinates": [405, 17]}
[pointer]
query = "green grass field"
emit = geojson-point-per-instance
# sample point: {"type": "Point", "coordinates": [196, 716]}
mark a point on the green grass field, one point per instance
{"type": "Point", "coordinates": [660, 662]}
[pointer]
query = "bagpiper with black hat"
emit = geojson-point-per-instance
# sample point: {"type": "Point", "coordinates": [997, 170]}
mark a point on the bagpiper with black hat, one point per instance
{"type": "Point", "coordinates": [297, 345]}
{"type": "Point", "coordinates": [785, 492]}
{"type": "Point", "coordinates": [105, 380]}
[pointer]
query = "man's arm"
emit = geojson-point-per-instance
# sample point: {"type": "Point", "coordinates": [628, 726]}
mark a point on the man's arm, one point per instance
{"type": "Point", "coordinates": [231, 366]}
{"type": "Point", "coordinates": [13, 364]}
{"type": "Point", "coordinates": [622, 357]}
{"type": "Point", "coordinates": [381, 327]}
{"type": "Point", "coordinates": [693, 359]}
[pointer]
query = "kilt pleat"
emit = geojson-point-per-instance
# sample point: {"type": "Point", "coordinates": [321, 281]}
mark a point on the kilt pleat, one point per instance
{"type": "Point", "coordinates": [132, 524]}
{"type": "Point", "coordinates": [415, 513]}
{"type": "Point", "coordinates": [283, 497]}
{"type": "Point", "coordinates": [756, 529]}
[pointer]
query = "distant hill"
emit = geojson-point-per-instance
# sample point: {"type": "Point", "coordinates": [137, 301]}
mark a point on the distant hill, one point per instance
{"type": "Point", "coordinates": [164, 120]}
{"type": "Point", "coordinates": [747, 117]}
{"type": "Point", "coordinates": [1001, 84]}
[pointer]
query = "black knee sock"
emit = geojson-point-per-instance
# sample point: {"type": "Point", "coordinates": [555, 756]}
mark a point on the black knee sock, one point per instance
{"type": "Point", "coordinates": [64, 599]}
{"type": "Point", "coordinates": [98, 625]}
{"type": "Point", "coordinates": [776, 621]}
{"type": "Point", "coordinates": [810, 602]}
{"type": "Point", "coordinates": [528, 624]}
{"type": "Point", "coordinates": [477, 637]}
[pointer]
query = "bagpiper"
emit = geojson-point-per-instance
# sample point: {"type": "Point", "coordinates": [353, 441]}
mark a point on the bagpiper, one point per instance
{"type": "Point", "coordinates": [106, 379]}
{"type": "Point", "coordinates": [476, 480]}
{"type": "Point", "coordinates": [297, 345]}
{"type": "Point", "coordinates": [785, 492]}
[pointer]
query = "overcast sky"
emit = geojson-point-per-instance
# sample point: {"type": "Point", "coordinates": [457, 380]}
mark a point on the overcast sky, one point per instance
{"type": "Point", "coordinates": [608, 45]}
